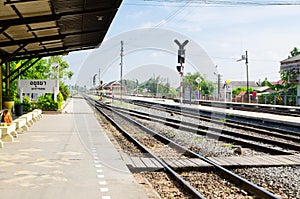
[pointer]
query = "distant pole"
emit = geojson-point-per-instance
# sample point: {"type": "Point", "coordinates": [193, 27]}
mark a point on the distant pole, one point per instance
{"type": "Point", "coordinates": [99, 76]}
{"type": "Point", "coordinates": [245, 57]}
{"type": "Point", "coordinates": [219, 86]}
{"type": "Point", "coordinates": [247, 92]}
{"type": "Point", "coordinates": [121, 64]}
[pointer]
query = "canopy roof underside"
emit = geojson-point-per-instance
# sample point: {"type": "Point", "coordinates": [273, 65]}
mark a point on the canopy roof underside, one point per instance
{"type": "Point", "coordinates": [39, 28]}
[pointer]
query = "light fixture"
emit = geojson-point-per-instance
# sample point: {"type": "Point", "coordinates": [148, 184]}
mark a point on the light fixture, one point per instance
{"type": "Point", "coordinates": [100, 18]}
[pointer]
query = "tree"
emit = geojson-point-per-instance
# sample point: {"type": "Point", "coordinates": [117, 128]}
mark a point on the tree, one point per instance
{"type": "Point", "coordinates": [59, 67]}
{"type": "Point", "coordinates": [294, 52]}
{"type": "Point", "coordinates": [205, 87]}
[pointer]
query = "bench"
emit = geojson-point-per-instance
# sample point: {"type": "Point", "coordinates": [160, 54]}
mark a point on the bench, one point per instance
{"type": "Point", "coordinates": [9, 132]}
{"type": "Point", "coordinates": [36, 114]}
{"type": "Point", "coordinates": [21, 125]}
{"type": "Point", "coordinates": [28, 117]}
{"type": "Point", "coordinates": [1, 142]}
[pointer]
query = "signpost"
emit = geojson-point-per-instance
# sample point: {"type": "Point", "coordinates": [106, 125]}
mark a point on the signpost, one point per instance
{"type": "Point", "coordinates": [181, 59]}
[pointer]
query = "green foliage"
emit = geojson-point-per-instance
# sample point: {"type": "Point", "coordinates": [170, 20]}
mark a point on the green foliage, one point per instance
{"type": "Point", "coordinates": [239, 89]}
{"type": "Point", "coordinates": [26, 104]}
{"type": "Point", "coordinates": [60, 100]}
{"type": "Point", "coordinates": [294, 52]}
{"type": "Point", "coordinates": [172, 93]}
{"type": "Point", "coordinates": [40, 70]}
{"type": "Point", "coordinates": [46, 103]}
{"type": "Point", "coordinates": [205, 86]}
{"type": "Point", "coordinates": [59, 66]}
{"type": "Point", "coordinates": [65, 91]}
{"type": "Point", "coordinates": [155, 85]}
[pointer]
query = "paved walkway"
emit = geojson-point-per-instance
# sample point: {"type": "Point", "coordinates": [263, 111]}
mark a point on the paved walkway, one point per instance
{"type": "Point", "coordinates": [65, 156]}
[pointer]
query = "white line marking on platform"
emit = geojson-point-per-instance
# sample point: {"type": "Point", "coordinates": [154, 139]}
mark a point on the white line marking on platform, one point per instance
{"type": "Point", "coordinates": [104, 189]}
{"type": "Point", "coordinates": [105, 197]}
{"type": "Point", "coordinates": [96, 161]}
{"type": "Point", "coordinates": [100, 176]}
{"type": "Point", "coordinates": [99, 171]}
{"type": "Point", "coordinates": [102, 182]}
{"type": "Point", "coordinates": [98, 165]}
{"type": "Point", "coordinates": [96, 158]}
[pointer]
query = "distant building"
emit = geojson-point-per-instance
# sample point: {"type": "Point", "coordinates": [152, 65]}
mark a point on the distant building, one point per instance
{"type": "Point", "coordinates": [242, 84]}
{"type": "Point", "coordinates": [293, 64]}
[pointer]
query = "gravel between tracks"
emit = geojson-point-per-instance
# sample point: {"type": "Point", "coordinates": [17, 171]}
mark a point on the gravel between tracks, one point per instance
{"type": "Point", "coordinates": [283, 181]}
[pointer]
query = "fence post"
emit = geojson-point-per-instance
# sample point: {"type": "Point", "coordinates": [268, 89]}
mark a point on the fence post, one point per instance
{"type": "Point", "coordinates": [274, 99]}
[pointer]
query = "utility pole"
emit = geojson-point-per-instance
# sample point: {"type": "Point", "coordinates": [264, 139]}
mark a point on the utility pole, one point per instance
{"type": "Point", "coordinates": [121, 72]}
{"type": "Point", "coordinates": [219, 86]}
{"type": "Point", "coordinates": [99, 76]}
{"type": "Point", "coordinates": [247, 71]}
{"type": "Point", "coordinates": [245, 57]}
{"type": "Point", "coordinates": [181, 58]}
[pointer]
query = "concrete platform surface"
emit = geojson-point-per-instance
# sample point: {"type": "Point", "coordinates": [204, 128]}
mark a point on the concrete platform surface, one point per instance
{"type": "Point", "coordinates": [65, 156]}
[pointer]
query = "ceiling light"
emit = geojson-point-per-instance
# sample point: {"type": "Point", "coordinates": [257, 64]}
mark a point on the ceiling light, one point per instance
{"type": "Point", "coordinates": [100, 18]}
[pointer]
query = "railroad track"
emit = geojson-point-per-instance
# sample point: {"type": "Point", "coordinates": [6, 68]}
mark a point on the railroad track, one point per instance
{"type": "Point", "coordinates": [228, 120]}
{"type": "Point", "coordinates": [162, 147]}
{"type": "Point", "coordinates": [263, 108]}
{"type": "Point", "coordinates": [256, 139]}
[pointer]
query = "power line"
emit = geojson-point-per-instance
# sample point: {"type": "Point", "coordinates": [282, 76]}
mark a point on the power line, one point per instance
{"type": "Point", "coordinates": [212, 3]}
{"type": "Point", "coordinates": [222, 2]}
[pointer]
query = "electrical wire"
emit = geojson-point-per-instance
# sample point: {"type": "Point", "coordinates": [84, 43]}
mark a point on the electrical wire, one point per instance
{"type": "Point", "coordinates": [212, 3]}
{"type": "Point", "coordinates": [224, 2]}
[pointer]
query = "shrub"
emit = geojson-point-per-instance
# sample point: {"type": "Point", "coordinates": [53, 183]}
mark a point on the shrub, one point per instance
{"type": "Point", "coordinates": [26, 104]}
{"type": "Point", "coordinates": [60, 100]}
{"type": "Point", "coordinates": [46, 103]}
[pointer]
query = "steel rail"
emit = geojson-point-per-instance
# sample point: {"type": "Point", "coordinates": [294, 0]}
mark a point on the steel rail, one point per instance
{"type": "Point", "coordinates": [196, 114]}
{"type": "Point", "coordinates": [186, 127]}
{"type": "Point", "coordinates": [253, 188]}
{"type": "Point", "coordinates": [168, 169]}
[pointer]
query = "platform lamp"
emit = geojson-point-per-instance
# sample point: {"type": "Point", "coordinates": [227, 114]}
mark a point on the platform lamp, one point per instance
{"type": "Point", "coordinates": [245, 57]}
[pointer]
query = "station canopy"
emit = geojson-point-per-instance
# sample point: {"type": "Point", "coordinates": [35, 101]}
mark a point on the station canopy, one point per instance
{"type": "Point", "coordinates": [39, 28]}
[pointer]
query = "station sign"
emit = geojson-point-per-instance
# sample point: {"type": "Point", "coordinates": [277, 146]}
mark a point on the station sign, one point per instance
{"type": "Point", "coordinates": [38, 85]}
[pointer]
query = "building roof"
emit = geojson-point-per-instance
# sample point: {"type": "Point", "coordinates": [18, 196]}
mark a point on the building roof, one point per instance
{"type": "Point", "coordinates": [39, 28]}
{"type": "Point", "coordinates": [290, 63]}
{"type": "Point", "coordinates": [236, 84]}
{"type": "Point", "coordinates": [291, 59]}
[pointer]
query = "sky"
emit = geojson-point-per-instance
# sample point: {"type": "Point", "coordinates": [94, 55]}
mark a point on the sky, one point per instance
{"type": "Point", "coordinates": [224, 32]}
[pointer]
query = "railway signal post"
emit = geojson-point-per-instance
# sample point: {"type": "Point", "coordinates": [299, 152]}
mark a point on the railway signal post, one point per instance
{"type": "Point", "coordinates": [181, 59]}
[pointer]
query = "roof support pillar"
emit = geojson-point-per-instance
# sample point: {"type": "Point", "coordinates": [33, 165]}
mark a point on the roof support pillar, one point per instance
{"type": "Point", "coordinates": [1, 83]}
{"type": "Point", "coordinates": [7, 82]}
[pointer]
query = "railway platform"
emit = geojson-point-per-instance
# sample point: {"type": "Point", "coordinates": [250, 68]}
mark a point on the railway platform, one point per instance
{"type": "Point", "coordinates": [65, 155]}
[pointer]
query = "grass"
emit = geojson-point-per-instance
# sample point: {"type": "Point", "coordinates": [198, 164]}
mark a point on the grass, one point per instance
{"type": "Point", "coordinates": [229, 145]}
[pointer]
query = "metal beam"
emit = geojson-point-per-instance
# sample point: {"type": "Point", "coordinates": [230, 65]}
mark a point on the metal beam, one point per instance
{"type": "Point", "coordinates": [31, 40]}
{"type": "Point", "coordinates": [45, 52]}
{"type": "Point", "coordinates": [47, 38]}
{"type": "Point", "coordinates": [13, 54]}
{"type": "Point", "coordinates": [13, 72]}
{"type": "Point", "coordinates": [23, 71]}
{"type": "Point", "coordinates": [53, 17]}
